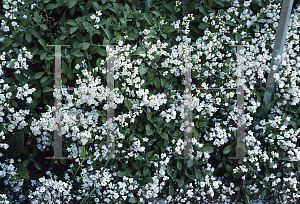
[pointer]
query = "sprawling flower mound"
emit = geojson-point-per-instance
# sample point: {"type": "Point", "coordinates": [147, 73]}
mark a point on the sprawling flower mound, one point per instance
{"type": "Point", "coordinates": [149, 96]}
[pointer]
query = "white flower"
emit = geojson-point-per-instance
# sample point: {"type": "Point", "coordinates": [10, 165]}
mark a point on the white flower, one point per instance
{"type": "Point", "coordinates": [99, 13]}
{"type": "Point", "coordinates": [97, 20]}
{"type": "Point", "coordinates": [32, 6]}
{"type": "Point", "coordinates": [93, 16]}
{"type": "Point", "coordinates": [14, 23]}
{"type": "Point", "coordinates": [297, 154]}
{"type": "Point", "coordinates": [43, 189]}
{"type": "Point", "coordinates": [29, 100]}
{"type": "Point", "coordinates": [247, 3]}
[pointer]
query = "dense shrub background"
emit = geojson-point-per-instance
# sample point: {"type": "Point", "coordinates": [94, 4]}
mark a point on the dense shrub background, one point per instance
{"type": "Point", "coordinates": [151, 140]}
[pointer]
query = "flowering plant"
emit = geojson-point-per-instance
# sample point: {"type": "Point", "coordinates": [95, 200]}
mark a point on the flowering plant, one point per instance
{"type": "Point", "coordinates": [149, 94]}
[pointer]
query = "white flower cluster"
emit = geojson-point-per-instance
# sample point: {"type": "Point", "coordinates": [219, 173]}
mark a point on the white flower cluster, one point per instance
{"type": "Point", "coordinates": [210, 47]}
{"type": "Point", "coordinates": [96, 18]}
{"type": "Point", "coordinates": [4, 199]}
{"type": "Point", "coordinates": [50, 190]}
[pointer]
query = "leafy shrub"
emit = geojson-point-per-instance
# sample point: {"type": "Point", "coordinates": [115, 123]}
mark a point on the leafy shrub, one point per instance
{"type": "Point", "coordinates": [152, 37]}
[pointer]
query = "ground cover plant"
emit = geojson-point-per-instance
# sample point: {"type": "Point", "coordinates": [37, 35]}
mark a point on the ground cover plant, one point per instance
{"type": "Point", "coordinates": [151, 39]}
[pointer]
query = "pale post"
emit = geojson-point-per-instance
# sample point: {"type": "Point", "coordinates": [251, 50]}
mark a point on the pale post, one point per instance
{"type": "Point", "coordinates": [58, 113]}
{"type": "Point", "coordinates": [187, 106]}
{"type": "Point", "coordinates": [111, 105]}
{"type": "Point", "coordinates": [278, 48]}
{"type": "Point", "coordinates": [240, 148]}
{"type": "Point", "coordinates": [57, 102]}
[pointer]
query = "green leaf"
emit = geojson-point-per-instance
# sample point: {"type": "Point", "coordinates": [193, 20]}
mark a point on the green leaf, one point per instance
{"type": "Point", "coordinates": [156, 13]}
{"type": "Point", "coordinates": [257, 26]}
{"type": "Point", "coordinates": [163, 82]}
{"type": "Point", "coordinates": [87, 26]}
{"type": "Point", "coordinates": [44, 79]}
{"type": "Point", "coordinates": [148, 127]}
{"type": "Point", "coordinates": [170, 7]}
{"type": "Point", "coordinates": [284, 116]}
{"type": "Point", "coordinates": [73, 30]}
{"type": "Point", "coordinates": [220, 2]}
{"type": "Point", "coordinates": [51, 6]}
{"type": "Point", "coordinates": [238, 37]}
{"type": "Point", "coordinates": [156, 82]}
{"type": "Point", "coordinates": [202, 124]}
{"type": "Point", "coordinates": [269, 90]}
{"type": "Point", "coordinates": [181, 182]}
{"type": "Point", "coordinates": [164, 135]}
{"type": "Point", "coordinates": [146, 171]}
{"type": "Point", "coordinates": [19, 77]}
{"type": "Point", "coordinates": [154, 158]}
{"type": "Point", "coordinates": [140, 158]}
{"type": "Point", "coordinates": [270, 105]}
{"type": "Point", "coordinates": [228, 149]}
{"type": "Point", "coordinates": [78, 54]}
{"type": "Point", "coordinates": [203, 26]}
{"type": "Point", "coordinates": [201, 9]}
{"type": "Point", "coordinates": [138, 51]}
{"type": "Point", "coordinates": [150, 132]}
{"type": "Point", "coordinates": [227, 174]}
{"type": "Point", "coordinates": [190, 163]}
{"type": "Point", "coordinates": [28, 37]}
{"type": "Point", "coordinates": [26, 162]}
{"type": "Point", "coordinates": [107, 33]}
{"type": "Point", "coordinates": [179, 165]}
{"type": "Point", "coordinates": [28, 142]}
{"type": "Point", "coordinates": [38, 75]}
{"type": "Point", "coordinates": [37, 93]}
{"type": "Point", "coordinates": [14, 103]}
{"type": "Point", "coordinates": [72, 3]}
{"type": "Point", "coordinates": [42, 42]}
{"type": "Point", "coordinates": [151, 35]}
{"type": "Point", "coordinates": [85, 45]}
{"type": "Point", "coordinates": [264, 193]}
{"type": "Point", "coordinates": [43, 56]}
{"type": "Point", "coordinates": [208, 148]}
{"type": "Point", "coordinates": [148, 18]}
{"type": "Point", "coordinates": [22, 171]}
{"type": "Point", "coordinates": [37, 165]}
{"type": "Point", "coordinates": [170, 29]}
{"type": "Point", "coordinates": [171, 188]}
{"type": "Point", "coordinates": [128, 104]}
{"type": "Point", "coordinates": [293, 123]}
{"type": "Point", "coordinates": [231, 23]}
{"type": "Point", "coordinates": [48, 89]}
{"type": "Point", "coordinates": [237, 188]}
{"type": "Point", "coordinates": [15, 45]}
{"type": "Point", "coordinates": [198, 174]}
{"type": "Point", "coordinates": [138, 174]}
{"type": "Point", "coordinates": [133, 200]}
{"type": "Point", "coordinates": [8, 42]}
{"type": "Point", "coordinates": [36, 34]}
{"type": "Point", "coordinates": [156, 59]}
{"type": "Point", "coordinates": [72, 23]}
{"type": "Point", "coordinates": [82, 152]}
{"type": "Point", "coordinates": [148, 154]}
{"type": "Point", "coordinates": [228, 167]}
{"type": "Point", "coordinates": [142, 69]}
{"type": "Point", "coordinates": [43, 26]}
